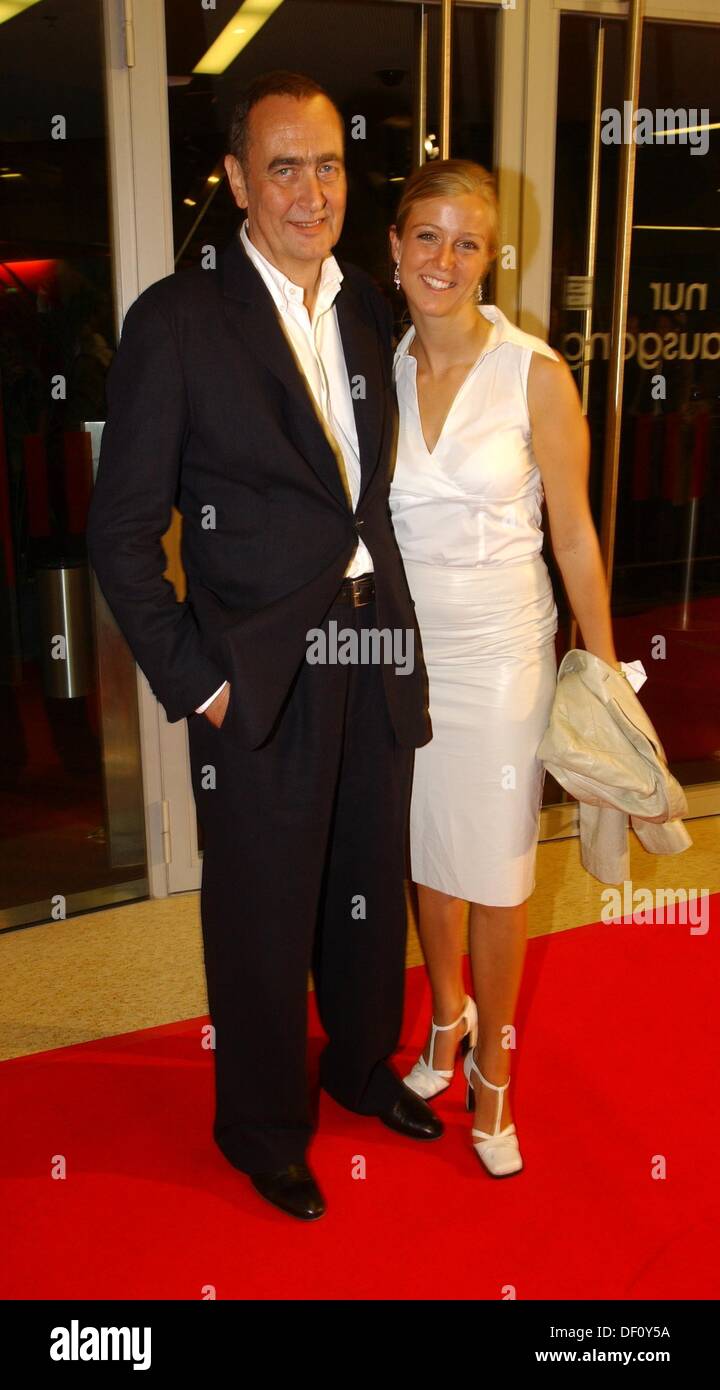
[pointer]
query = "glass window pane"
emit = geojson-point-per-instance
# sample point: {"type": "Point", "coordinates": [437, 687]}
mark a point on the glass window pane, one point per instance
{"type": "Point", "coordinates": [70, 788]}
{"type": "Point", "coordinates": [473, 83]}
{"type": "Point", "coordinates": [666, 575]}
{"type": "Point", "coordinates": [667, 554]}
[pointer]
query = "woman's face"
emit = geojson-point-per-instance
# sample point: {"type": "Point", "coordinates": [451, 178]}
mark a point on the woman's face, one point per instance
{"type": "Point", "coordinates": [444, 253]}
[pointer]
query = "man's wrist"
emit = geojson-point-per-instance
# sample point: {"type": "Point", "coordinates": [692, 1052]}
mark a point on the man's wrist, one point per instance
{"type": "Point", "coordinates": [207, 703]}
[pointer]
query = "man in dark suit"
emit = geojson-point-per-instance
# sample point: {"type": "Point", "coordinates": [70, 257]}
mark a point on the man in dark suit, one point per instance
{"type": "Point", "coordinates": [257, 396]}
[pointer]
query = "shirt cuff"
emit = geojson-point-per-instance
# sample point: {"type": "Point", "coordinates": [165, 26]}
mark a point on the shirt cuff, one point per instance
{"type": "Point", "coordinates": [201, 708]}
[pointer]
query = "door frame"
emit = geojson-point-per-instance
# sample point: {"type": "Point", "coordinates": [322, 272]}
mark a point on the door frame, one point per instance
{"type": "Point", "coordinates": [142, 242]}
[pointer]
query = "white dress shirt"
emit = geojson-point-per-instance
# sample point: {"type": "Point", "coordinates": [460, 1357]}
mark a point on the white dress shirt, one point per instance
{"type": "Point", "coordinates": [318, 350]}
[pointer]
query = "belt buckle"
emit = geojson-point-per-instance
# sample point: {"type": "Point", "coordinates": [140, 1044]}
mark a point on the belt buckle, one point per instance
{"type": "Point", "coordinates": [357, 586]}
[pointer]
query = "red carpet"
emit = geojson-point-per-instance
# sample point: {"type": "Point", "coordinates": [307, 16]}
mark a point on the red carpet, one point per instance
{"type": "Point", "coordinates": [676, 692]}
{"type": "Point", "coordinates": [618, 1051]}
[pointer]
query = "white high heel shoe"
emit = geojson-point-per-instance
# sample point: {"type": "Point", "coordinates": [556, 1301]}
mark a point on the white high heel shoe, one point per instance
{"type": "Point", "coordinates": [499, 1151]}
{"type": "Point", "coordinates": [425, 1079]}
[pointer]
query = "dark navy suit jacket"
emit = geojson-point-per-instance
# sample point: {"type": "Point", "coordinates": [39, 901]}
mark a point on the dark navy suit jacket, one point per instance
{"type": "Point", "coordinates": [207, 410]}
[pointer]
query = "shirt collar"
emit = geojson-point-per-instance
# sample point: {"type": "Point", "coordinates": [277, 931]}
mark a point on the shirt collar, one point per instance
{"type": "Point", "coordinates": [500, 331]}
{"type": "Point", "coordinates": [284, 290]}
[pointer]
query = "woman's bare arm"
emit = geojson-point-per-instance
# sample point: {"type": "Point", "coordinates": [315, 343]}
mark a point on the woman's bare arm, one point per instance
{"type": "Point", "coordinates": [561, 444]}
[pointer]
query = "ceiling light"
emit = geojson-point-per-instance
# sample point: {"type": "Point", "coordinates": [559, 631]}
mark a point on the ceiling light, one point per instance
{"type": "Point", "coordinates": [10, 9]}
{"type": "Point", "coordinates": [243, 27]}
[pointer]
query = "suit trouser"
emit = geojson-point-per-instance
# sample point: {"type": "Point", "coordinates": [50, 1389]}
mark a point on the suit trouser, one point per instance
{"type": "Point", "coordinates": [303, 868]}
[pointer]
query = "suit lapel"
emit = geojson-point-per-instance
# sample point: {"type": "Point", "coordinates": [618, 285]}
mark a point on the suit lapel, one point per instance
{"type": "Point", "coordinates": [362, 349]}
{"type": "Point", "coordinates": [253, 319]}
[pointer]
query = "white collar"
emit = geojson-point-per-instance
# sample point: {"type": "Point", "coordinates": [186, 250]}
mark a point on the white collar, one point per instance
{"type": "Point", "coordinates": [284, 290]}
{"type": "Point", "coordinates": [501, 331]}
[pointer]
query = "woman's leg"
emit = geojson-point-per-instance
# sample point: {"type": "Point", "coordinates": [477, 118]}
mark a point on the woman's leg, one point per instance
{"type": "Point", "coordinates": [441, 928]}
{"type": "Point", "coordinates": [498, 940]}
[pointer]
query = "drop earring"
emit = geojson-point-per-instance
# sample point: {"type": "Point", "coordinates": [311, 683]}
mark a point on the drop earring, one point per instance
{"type": "Point", "coordinates": [479, 292]}
{"type": "Point", "coordinates": [396, 276]}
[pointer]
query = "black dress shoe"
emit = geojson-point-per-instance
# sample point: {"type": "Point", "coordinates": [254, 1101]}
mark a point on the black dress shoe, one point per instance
{"type": "Point", "coordinates": [412, 1116]}
{"type": "Point", "coordinates": [292, 1189]}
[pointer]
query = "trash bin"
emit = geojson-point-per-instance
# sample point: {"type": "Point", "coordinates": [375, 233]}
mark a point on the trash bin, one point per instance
{"type": "Point", "coordinates": [65, 628]}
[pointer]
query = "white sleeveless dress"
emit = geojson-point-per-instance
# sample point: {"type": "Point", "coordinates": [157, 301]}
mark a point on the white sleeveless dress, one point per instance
{"type": "Point", "coordinates": [468, 522]}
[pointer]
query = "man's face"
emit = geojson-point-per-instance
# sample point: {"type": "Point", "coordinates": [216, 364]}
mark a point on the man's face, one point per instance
{"type": "Point", "coordinates": [294, 185]}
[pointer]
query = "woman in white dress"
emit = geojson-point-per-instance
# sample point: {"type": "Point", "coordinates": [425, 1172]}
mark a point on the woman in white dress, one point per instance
{"type": "Point", "coordinates": [490, 422]}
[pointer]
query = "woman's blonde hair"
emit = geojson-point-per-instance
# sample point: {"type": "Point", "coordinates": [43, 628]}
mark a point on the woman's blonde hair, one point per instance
{"type": "Point", "coordinates": [451, 178]}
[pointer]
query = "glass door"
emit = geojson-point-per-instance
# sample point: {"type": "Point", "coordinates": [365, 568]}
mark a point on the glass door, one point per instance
{"type": "Point", "coordinates": [72, 828]}
{"type": "Point", "coordinates": [656, 501]}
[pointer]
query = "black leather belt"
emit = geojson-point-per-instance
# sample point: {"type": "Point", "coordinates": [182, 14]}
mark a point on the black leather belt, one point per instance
{"type": "Point", "coordinates": [357, 592]}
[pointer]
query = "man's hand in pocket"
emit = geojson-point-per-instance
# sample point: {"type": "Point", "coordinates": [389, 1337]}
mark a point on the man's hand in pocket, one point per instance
{"type": "Point", "coordinates": [217, 710]}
